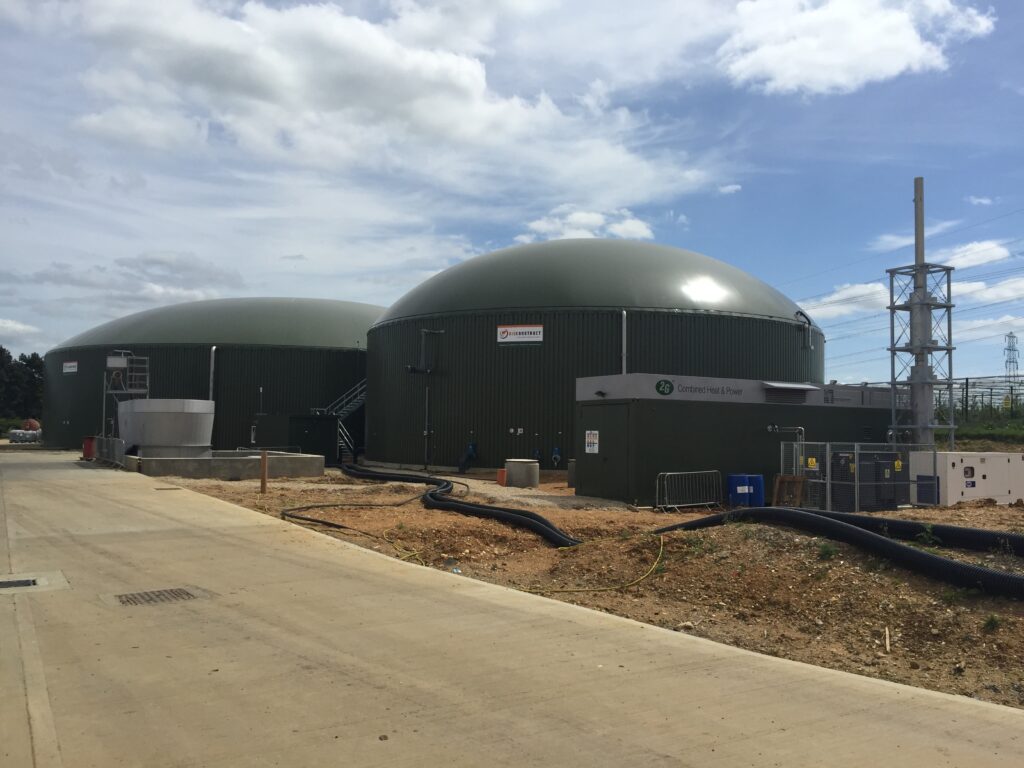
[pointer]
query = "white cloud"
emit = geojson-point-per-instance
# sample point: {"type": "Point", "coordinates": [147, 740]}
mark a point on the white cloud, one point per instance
{"type": "Point", "coordinates": [631, 228]}
{"type": "Point", "coordinates": [849, 299]}
{"type": "Point", "coordinates": [568, 221]}
{"type": "Point", "coordinates": [597, 98]}
{"type": "Point", "coordinates": [860, 298]}
{"type": "Point", "coordinates": [971, 254]}
{"type": "Point", "coordinates": [157, 129]}
{"type": "Point", "coordinates": [893, 242]}
{"type": "Point", "coordinates": [466, 84]}
{"type": "Point", "coordinates": [32, 161]}
{"type": "Point", "coordinates": [126, 85]}
{"type": "Point", "coordinates": [990, 329]}
{"type": "Point", "coordinates": [367, 136]}
{"type": "Point", "coordinates": [152, 294]}
{"type": "Point", "coordinates": [838, 46]}
{"type": "Point", "coordinates": [316, 86]}
{"type": "Point", "coordinates": [973, 200]}
{"type": "Point", "coordinates": [13, 332]}
{"type": "Point", "coordinates": [729, 189]}
{"type": "Point", "coordinates": [981, 292]}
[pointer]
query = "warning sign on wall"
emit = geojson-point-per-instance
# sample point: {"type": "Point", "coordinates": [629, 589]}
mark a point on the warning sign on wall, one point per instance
{"type": "Point", "coordinates": [592, 441]}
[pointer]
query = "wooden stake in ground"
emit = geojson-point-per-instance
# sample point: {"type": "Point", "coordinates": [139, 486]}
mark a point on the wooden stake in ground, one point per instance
{"type": "Point", "coordinates": [263, 472]}
{"type": "Point", "coordinates": [887, 648]}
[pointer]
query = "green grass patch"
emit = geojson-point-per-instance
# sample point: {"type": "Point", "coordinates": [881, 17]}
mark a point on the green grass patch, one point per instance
{"type": "Point", "coordinates": [928, 537]}
{"type": "Point", "coordinates": [827, 550]}
{"type": "Point", "coordinates": [955, 595]}
{"type": "Point", "coordinates": [1006, 432]}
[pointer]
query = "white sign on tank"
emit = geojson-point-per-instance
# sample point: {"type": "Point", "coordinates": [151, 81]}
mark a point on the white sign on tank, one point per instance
{"type": "Point", "coordinates": [520, 334]}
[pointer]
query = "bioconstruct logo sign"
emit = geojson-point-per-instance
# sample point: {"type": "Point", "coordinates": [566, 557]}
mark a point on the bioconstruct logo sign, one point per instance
{"type": "Point", "coordinates": [520, 333]}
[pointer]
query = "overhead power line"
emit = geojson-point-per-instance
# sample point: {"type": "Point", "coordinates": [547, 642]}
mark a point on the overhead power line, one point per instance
{"type": "Point", "coordinates": [874, 358]}
{"type": "Point", "coordinates": [959, 313]}
{"type": "Point", "coordinates": [937, 236]}
{"type": "Point", "coordinates": [966, 253]}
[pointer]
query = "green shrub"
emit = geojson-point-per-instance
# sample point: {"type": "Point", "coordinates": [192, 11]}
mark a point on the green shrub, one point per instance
{"type": "Point", "coordinates": [992, 623]}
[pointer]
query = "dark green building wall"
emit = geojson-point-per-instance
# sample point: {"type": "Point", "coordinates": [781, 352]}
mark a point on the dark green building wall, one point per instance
{"type": "Point", "coordinates": [294, 380]}
{"type": "Point", "coordinates": [641, 438]}
{"type": "Point", "coordinates": [484, 392]}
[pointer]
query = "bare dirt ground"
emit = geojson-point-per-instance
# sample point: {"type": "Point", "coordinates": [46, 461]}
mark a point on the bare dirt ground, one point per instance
{"type": "Point", "coordinates": [767, 589]}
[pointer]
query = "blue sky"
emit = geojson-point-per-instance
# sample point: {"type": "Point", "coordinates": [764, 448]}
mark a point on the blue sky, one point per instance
{"type": "Point", "coordinates": [152, 153]}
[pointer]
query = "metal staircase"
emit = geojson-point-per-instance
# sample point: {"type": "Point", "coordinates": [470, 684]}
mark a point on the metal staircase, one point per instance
{"type": "Point", "coordinates": [343, 407]}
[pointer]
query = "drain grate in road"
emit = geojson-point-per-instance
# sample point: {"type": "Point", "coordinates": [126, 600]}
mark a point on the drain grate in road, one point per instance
{"type": "Point", "coordinates": [156, 597]}
{"type": "Point", "coordinates": [12, 583]}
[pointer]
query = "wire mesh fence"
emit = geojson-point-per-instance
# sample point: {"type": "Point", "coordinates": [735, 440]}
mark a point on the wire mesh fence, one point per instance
{"type": "Point", "coordinates": [862, 477]}
{"type": "Point", "coordinates": [990, 400]}
{"type": "Point", "coordinates": [110, 450]}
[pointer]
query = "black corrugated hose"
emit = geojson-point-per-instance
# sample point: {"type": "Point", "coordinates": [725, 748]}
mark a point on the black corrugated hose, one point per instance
{"type": "Point", "coordinates": [977, 539]}
{"type": "Point", "coordinates": [439, 498]}
{"type": "Point", "coordinates": [862, 531]}
{"type": "Point", "coordinates": [942, 568]}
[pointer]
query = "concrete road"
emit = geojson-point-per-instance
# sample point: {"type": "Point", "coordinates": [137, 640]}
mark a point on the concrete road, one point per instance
{"type": "Point", "coordinates": [300, 650]}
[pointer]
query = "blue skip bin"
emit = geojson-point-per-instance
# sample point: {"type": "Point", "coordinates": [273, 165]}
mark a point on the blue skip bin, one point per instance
{"type": "Point", "coordinates": [746, 490]}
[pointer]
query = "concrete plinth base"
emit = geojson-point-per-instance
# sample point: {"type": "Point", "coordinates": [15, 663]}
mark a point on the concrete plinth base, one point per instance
{"type": "Point", "coordinates": [230, 465]}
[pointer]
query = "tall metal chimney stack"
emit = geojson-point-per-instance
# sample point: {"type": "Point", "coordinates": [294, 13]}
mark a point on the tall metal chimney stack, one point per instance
{"type": "Point", "coordinates": [922, 377]}
{"type": "Point", "coordinates": [916, 295]}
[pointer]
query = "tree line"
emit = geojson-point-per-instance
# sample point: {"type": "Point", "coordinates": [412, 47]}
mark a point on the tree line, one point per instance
{"type": "Point", "coordinates": [21, 386]}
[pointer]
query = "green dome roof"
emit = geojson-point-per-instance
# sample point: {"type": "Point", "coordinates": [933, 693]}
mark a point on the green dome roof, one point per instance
{"type": "Point", "coordinates": [264, 322]}
{"type": "Point", "coordinates": [619, 274]}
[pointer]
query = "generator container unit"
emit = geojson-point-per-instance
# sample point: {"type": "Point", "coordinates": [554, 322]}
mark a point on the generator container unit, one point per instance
{"type": "Point", "coordinates": [631, 429]}
{"type": "Point", "coordinates": [970, 476]}
{"type": "Point", "coordinates": [250, 356]}
{"type": "Point", "coordinates": [479, 363]}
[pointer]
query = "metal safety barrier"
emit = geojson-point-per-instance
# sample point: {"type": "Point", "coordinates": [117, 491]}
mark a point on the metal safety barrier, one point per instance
{"type": "Point", "coordinates": [688, 489]}
{"type": "Point", "coordinates": [110, 450]}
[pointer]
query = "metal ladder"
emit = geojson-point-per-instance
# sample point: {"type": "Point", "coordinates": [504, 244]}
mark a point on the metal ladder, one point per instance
{"type": "Point", "coordinates": [138, 375]}
{"type": "Point", "coordinates": [343, 407]}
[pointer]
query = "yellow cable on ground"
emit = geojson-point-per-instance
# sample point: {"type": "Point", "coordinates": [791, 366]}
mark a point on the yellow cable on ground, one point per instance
{"type": "Point", "coordinates": [634, 582]}
{"type": "Point", "coordinates": [406, 554]}
{"type": "Point", "coordinates": [617, 537]}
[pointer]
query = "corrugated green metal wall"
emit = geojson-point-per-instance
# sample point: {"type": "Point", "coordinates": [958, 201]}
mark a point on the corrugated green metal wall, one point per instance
{"type": "Point", "coordinates": [294, 379]}
{"type": "Point", "coordinates": [638, 439]}
{"type": "Point", "coordinates": [480, 389]}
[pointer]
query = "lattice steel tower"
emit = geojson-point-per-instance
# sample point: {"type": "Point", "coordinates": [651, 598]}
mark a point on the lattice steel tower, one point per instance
{"type": "Point", "coordinates": [1010, 351]}
{"type": "Point", "coordinates": [921, 339]}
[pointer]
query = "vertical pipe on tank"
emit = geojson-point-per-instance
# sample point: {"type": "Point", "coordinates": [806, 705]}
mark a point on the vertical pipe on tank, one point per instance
{"type": "Point", "coordinates": [624, 349]}
{"type": "Point", "coordinates": [426, 425]}
{"type": "Point", "coordinates": [213, 353]}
